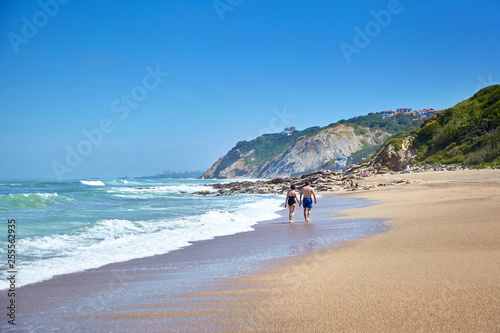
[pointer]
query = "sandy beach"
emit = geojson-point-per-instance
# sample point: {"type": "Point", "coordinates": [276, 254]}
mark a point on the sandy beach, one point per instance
{"type": "Point", "coordinates": [436, 270]}
{"type": "Point", "coordinates": [433, 267]}
{"type": "Point", "coordinates": [168, 292]}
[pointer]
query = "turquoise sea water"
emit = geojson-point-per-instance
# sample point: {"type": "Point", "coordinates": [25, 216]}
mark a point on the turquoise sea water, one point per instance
{"type": "Point", "coordinates": [64, 226]}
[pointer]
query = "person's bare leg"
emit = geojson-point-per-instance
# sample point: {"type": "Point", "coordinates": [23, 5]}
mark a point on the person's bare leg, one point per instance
{"type": "Point", "coordinates": [292, 212]}
{"type": "Point", "coordinates": [305, 214]}
{"type": "Point", "coordinates": [308, 214]}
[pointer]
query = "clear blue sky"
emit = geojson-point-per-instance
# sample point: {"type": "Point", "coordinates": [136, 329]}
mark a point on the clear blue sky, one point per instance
{"type": "Point", "coordinates": [130, 88]}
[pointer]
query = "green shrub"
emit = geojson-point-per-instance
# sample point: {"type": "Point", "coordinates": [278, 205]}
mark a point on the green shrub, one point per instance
{"type": "Point", "coordinates": [397, 143]}
{"type": "Point", "coordinates": [468, 133]}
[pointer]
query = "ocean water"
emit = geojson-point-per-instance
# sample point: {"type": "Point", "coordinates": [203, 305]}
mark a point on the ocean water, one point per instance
{"type": "Point", "coordinates": [65, 226]}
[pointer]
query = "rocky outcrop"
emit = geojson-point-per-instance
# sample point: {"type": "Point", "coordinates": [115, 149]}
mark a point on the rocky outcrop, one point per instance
{"type": "Point", "coordinates": [397, 155]}
{"type": "Point", "coordinates": [213, 168]}
{"type": "Point", "coordinates": [323, 180]}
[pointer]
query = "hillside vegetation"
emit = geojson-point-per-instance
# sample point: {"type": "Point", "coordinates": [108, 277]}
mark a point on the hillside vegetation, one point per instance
{"type": "Point", "coordinates": [393, 125]}
{"type": "Point", "coordinates": [267, 146]}
{"type": "Point", "coordinates": [467, 134]}
{"type": "Point", "coordinates": [272, 155]}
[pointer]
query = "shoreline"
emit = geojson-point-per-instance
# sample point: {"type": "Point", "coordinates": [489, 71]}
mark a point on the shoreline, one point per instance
{"type": "Point", "coordinates": [91, 300]}
{"type": "Point", "coordinates": [437, 269]}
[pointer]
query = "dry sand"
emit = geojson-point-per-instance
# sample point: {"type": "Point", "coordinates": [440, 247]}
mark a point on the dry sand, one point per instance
{"type": "Point", "coordinates": [436, 270]}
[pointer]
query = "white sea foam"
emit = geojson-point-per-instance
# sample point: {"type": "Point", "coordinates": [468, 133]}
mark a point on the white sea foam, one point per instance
{"type": "Point", "coordinates": [116, 240]}
{"type": "Point", "coordinates": [92, 182]}
{"type": "Point", "coordinates": [153, 191]}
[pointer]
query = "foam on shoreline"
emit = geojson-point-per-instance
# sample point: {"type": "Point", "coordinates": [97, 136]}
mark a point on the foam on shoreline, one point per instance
{"type": "Point", "coordinates": [138, 282]}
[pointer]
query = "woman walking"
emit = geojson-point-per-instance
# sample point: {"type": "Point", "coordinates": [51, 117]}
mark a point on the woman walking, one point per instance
{"type": "Point", "coordinates": [291, 200]}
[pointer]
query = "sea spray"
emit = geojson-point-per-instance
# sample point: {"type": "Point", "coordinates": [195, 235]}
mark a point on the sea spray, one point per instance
{"type": "Point", "coordinates": [70, 226]}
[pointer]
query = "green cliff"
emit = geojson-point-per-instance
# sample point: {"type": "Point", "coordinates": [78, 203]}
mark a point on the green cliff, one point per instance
{"type": "Point", "coordinates": [467, 134]}
{"type": "Point", "coordinates": [315, 148]}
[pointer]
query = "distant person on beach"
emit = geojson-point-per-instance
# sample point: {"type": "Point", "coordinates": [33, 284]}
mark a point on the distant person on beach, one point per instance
{"type": "Point", "coordinates": [291, 200]}
{"type": "Point", "coordinates": [308, 193]}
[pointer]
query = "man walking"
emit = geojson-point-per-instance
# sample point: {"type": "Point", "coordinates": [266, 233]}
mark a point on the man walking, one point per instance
{"type": "Point", "coordinates": [307, 192]}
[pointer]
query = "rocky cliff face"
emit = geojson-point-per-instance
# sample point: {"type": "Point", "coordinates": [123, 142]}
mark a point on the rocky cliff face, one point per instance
{"type": "Point", "coordinates": [395, 156]}
{"type": "Point", "coordinates": [319, 150]}
{"type": "Point", "coordinates": [310, 152]}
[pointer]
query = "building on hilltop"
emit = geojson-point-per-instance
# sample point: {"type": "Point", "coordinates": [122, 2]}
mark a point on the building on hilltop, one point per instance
{"type": "Point", "coordinates": [386, 113]}
{"type": "Point", "coordinates": [426, 113]}
{"type": "Point", "coordinates": [288, 130]}
{"type": "Point", "coordinates": [404, 110]}
{"type": "Point", "coordinates": [389, 113]}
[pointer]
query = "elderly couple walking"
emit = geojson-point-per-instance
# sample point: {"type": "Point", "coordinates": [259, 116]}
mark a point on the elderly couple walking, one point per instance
{"type": "Point", "coordinates": [291, 199]}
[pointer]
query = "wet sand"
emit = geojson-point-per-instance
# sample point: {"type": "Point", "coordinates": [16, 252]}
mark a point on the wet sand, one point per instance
{"type": "Point", "coordinates": [165, 293]}
{"type": "Point", "coordinates": [436, 270]}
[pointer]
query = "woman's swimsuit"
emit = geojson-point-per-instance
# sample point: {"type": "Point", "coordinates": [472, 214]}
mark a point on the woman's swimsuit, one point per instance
{"type": "Point", "coordinates": [291, 201]}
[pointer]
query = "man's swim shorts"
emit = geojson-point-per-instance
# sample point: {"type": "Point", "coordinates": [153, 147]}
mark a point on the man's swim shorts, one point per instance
{"type": "Point", "coordinates": [307, 203]}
